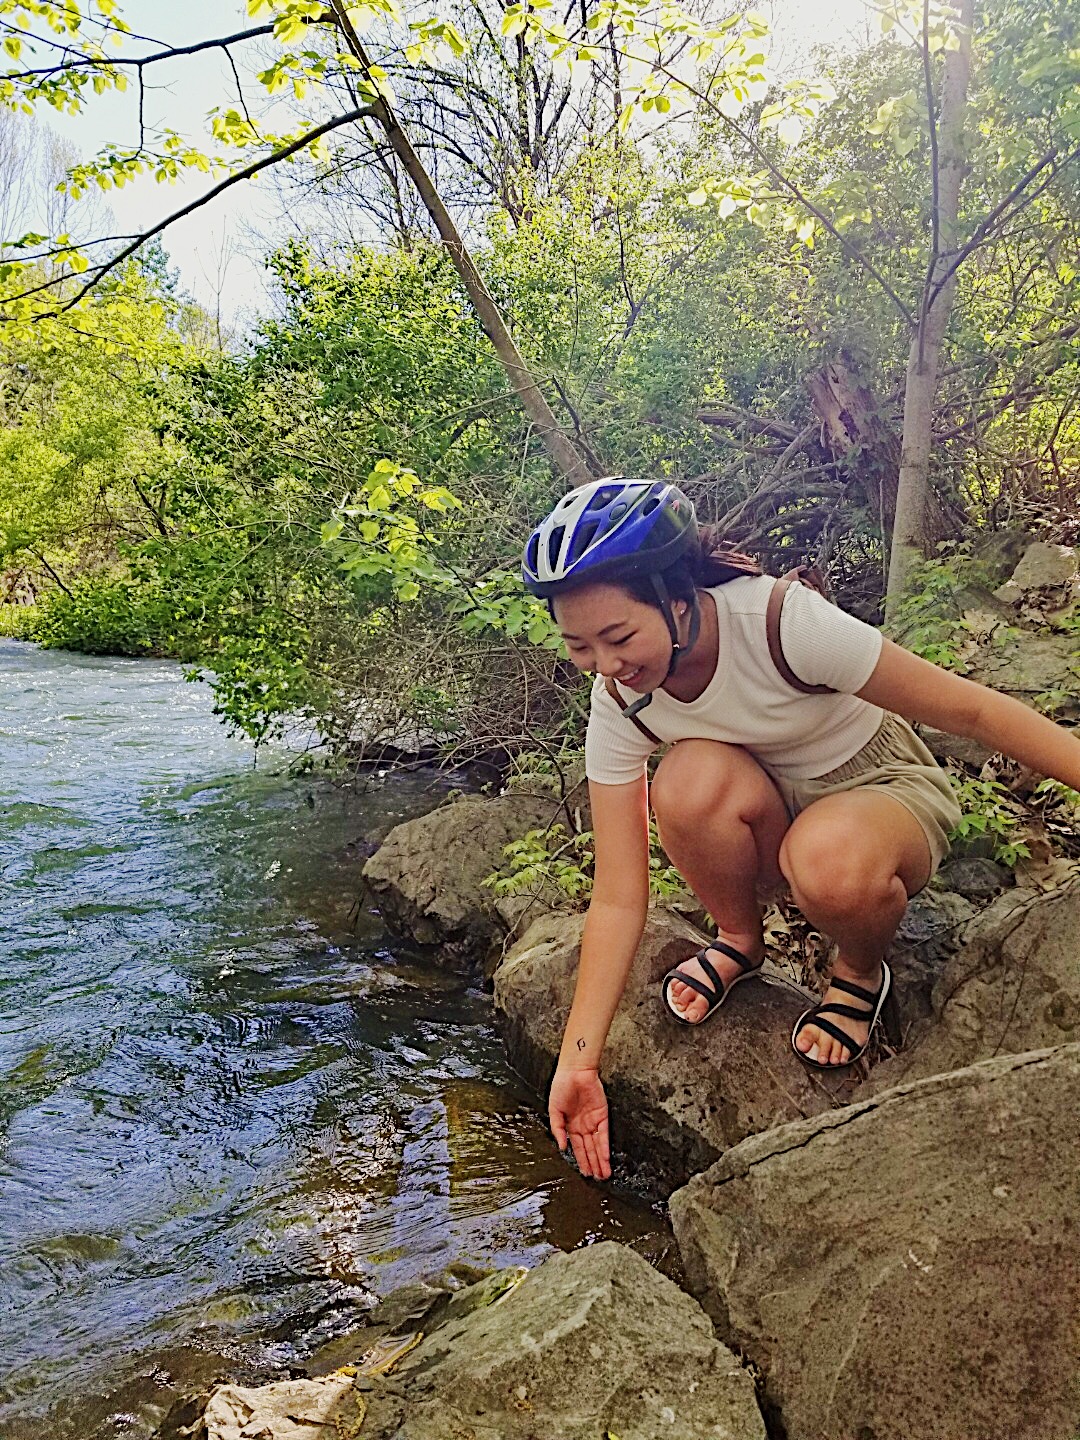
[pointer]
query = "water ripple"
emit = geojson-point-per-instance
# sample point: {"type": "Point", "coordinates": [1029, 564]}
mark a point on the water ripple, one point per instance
{"type": "Point", "coordinates": [229, 1113]}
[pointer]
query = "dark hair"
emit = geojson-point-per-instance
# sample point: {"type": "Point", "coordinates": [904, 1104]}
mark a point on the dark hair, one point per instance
{"type": "Point", "coordinates": [710, 562]}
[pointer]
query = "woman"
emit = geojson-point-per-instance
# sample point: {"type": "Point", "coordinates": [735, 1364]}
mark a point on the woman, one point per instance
{"type": "Point", "coordinates": [825, 787]}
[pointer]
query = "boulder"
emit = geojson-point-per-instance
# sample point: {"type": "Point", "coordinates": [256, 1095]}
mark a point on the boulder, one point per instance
{"type": "Point", "coordinates": [975, 877]}
{"type": "Point", "coordinates": [593, 1343]}
{"type": "Point", "coordinates": [679, 1095]}
{"type": "Point", "coordinates": [926, 937]}
{"type": "Point", "coordinates": [907, 1266]}
{"type": "Point", "coordinates": [1013, 985]}
{"type": "Point", "coordinates": [1026, 665]}
{"type": "Point", "coordinates": [945, 746]}
{"type": "Point", "coordinates": [1042, 566]}
{"type": "Point", "coordinates": [590, 1344]}
{"type": "Point", "coordinates": [425, 877]}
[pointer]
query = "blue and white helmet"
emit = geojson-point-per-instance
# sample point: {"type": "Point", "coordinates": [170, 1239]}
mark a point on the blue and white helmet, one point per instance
{"type": "Point", "coordinates": [608, 529]}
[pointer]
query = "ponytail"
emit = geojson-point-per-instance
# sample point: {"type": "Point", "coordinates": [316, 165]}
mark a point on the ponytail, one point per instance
{"type": "Point", "coordinates": [708, 563]}
{"type": "Point", "coordinates": [717, 563]}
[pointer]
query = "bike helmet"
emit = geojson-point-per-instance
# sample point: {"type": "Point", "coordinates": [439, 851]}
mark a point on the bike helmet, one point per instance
{"type": "Point", "coordinates": [610, 530]}
{"type": "Point", "coordinates": [607, 529]}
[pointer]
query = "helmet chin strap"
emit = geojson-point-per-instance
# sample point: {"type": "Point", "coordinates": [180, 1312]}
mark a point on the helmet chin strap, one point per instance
{"type": "Point", "coordinates": [678, 650]}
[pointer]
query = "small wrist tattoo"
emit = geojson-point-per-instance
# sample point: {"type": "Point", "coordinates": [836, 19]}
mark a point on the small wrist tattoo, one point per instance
{"type": "Point", "coordinates": [581, 1044]}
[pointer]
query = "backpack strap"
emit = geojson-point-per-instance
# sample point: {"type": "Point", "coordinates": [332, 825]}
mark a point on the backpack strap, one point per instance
{"type": "Point", "coordinates": [810, 577]}
{"type": "Point", "coordinates": [610, 687]}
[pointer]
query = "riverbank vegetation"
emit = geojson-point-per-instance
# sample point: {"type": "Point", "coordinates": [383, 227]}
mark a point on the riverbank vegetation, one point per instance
{"type": "Point", "coordinates": [773, 290]}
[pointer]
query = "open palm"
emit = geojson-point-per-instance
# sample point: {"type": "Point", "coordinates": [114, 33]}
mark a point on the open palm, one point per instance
{"type": "Point", "coordinates": [578, 1112]}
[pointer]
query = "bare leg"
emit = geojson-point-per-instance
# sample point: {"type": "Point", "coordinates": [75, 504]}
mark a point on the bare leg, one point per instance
{"type": "Point", "coordinates": [852, 860]}
{"type": "Point", "coordinates": [721, 820]}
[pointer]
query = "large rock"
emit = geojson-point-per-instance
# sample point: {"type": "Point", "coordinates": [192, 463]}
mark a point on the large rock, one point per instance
{"type": "Point", "coordinates": [1026, 665]}
{"type": "Point", "coordinates": [593, 1343]}
{"type": "Point", "coordinates": [426, 876]}
{"type": "Point", "coordinates": [679, 1095]}
{"type": "Point", "coordinates": [909, 1266]}
{"type": "Point", "coordinates": [928, 934]}
{"type": "Point", "coordinates": [1042, 566]}
{"type": "Point", "coordinates": [1014, 985]}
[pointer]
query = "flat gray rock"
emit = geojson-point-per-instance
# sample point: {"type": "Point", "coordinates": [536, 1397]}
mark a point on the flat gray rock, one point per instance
{"type": "Point", "coordinates": [1014, 985]}
{"type": "Point", "coordinates": [907, 1268]}
{"type": "Point", "coordinates": [592, 1343]}
{"type": "Point", "coordinates": [588, 1345]}
{"type": "Point", "coordinates": [679, 1095]}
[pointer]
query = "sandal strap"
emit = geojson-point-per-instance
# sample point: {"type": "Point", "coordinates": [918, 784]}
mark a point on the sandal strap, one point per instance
{"type": "Point", "coordinates": [713, 996]}
{"type": "Point", "coordinates": [719, 989]}
{"type": "Point", "coordinates": [848, 1041]}
{"type": "Point", "coordinates": [848, 1011]}
{"type": "Point", "coordinates": [710, 971]}
{"type": "Point", "coordinates": [870, 997]}
{"type": "Point", "coordinates": [743, 961]}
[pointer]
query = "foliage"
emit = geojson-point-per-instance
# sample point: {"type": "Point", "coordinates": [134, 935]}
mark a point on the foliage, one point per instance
{"type": "Point", "coordinates": [551, 857]}
{"type": "Point", "coordinates": [329, 518]}
{"type": "Point", "coordinates": [927, 619]}
{"type": "Point", "coordinates": [988, 815]}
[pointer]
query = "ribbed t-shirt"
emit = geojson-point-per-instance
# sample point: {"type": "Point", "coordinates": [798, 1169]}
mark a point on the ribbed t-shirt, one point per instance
{"type": "Point", "coordinates": [748, 702]}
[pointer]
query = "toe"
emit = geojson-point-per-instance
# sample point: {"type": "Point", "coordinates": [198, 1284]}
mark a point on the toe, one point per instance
{"type": "Point", "coordinates": [804, 1040]}
{"type": "Point", "coordinates": [687, 1002]}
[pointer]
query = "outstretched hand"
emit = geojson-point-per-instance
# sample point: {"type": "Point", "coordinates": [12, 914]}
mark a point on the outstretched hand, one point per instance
{"type": "Point", "coordinates": [578, 1112]}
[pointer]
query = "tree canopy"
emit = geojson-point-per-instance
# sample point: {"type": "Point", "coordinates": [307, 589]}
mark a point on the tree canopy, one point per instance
{"type": "Point", "coordinates": [840, 309]}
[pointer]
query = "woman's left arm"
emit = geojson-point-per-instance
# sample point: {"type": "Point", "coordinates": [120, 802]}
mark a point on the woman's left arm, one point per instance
{"type": "Point", "coordinates": [919, 691]}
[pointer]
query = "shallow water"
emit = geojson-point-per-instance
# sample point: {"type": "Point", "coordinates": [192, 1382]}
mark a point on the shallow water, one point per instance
{"type": "Point", "coordinates": [231, 1109]}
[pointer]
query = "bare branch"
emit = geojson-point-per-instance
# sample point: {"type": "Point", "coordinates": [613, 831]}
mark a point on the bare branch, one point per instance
{"type": "Point", "coordinates": [247, 173]}
{"type": "Point", "coordinates": [119, 62]}
{"type": "Point", "coordinates": [985, 228]}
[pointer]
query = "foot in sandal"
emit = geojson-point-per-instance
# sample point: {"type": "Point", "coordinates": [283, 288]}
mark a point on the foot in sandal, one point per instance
{"type": "Point", "coordinates": [700, 984]}
{"type": "Point", "coordinates": [836, 1033]}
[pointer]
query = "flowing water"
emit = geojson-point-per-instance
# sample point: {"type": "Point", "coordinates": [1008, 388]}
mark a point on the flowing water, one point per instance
{"type": "Point", "coordinates": [232, 1111]}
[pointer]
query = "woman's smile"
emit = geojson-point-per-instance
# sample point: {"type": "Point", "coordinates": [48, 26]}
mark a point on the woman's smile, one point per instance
{"type": "Point", "coordinates": [630, 677]}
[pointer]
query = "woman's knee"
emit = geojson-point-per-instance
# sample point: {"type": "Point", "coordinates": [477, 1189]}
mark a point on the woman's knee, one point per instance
{"type": "Point", "coordinates": [833, 868]}
{"type": "Point", "coordinates": [699, 780]}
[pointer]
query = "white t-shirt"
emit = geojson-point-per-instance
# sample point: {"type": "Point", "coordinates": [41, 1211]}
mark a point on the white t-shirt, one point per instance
{"type": "Point", "coordinates": [748, 702]}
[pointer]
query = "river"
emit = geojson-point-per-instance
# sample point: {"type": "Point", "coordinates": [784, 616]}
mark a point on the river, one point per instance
{"type": "Point", "coordinates": [232, 1109]}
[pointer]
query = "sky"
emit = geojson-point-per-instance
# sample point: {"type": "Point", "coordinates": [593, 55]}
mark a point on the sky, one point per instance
{"type": "Point", "coordinates": [218, 250]}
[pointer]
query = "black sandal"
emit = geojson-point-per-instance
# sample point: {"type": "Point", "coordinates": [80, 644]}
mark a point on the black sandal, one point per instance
{"type": "Point", "coordinates": [719, 992]}
{"type": "Point", "coordinates": [814, 1016]}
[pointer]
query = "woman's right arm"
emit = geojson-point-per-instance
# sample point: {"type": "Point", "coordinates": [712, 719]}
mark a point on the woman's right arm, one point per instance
{"type": "Point", "coordinates": [613, 928]}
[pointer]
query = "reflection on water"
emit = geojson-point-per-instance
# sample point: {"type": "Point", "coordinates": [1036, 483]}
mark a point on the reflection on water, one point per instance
{"type": "Point", "coordinates": [229, 1115]}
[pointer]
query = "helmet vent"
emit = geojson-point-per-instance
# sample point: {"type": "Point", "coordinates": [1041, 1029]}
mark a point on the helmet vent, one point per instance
{"type": "Point", "coordinates": [651, 504]}
{"type": "Point", "coordinates": [554, 545]}
{"type": "Point", "coordinates": [583, 538]}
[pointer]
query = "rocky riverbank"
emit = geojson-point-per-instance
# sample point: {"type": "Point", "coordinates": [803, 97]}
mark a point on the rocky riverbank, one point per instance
{"type": "Point", "coordinates": [887, 1253]}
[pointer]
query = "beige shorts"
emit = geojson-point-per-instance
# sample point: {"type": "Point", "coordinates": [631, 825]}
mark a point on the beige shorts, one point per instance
{"type": "Point", "coordinates": [896, 762]}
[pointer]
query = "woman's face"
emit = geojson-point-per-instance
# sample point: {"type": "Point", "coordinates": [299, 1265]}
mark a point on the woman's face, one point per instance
{"type": "Point", "coordinates": [608, 631]}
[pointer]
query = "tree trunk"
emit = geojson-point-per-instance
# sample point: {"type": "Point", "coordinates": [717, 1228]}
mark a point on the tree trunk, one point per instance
{"type": "Point", "coordinates": [857, 435]}
{"type": "Point", "coordinates": [911, 540]}
{"type": "Point", "coordinates": [558, 443]}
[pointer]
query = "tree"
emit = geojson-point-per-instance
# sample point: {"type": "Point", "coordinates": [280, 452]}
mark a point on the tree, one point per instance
{"type": "Point", "coordinates": [327, 50]}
